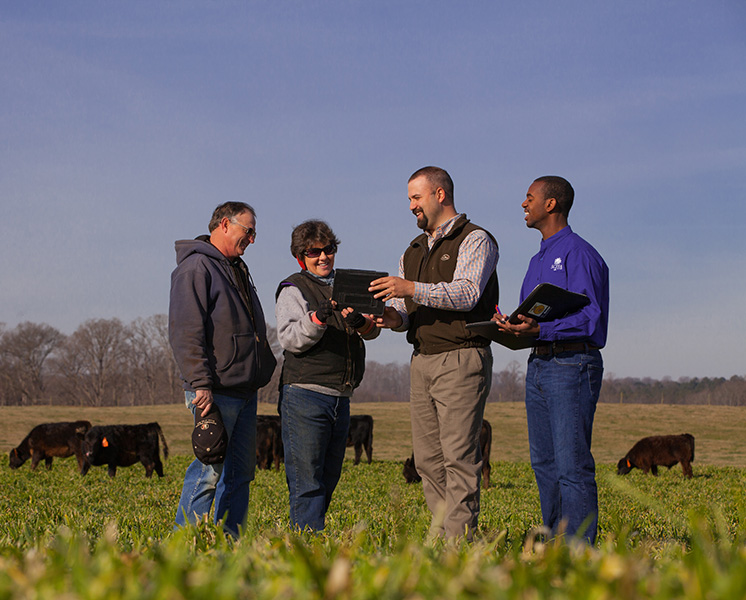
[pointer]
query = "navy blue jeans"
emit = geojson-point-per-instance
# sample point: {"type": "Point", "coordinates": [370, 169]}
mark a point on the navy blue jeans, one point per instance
{"type": "Point", "coordinates": [314, 434]}
{"type": "Point", "coordinates": [227, 483]}
{"type": "Point", "coordinates": [561, 396]}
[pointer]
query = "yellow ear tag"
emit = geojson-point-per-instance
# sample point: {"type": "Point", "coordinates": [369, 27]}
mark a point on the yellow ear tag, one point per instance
{"type": "Point", "coordinates": [629, 464]}
{"type": "Point", "coordinates": [105, 444]}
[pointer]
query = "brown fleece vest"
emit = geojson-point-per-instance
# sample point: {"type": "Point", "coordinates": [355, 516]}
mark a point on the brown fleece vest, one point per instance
{"type": "Point", "coordinates": [434, 330]}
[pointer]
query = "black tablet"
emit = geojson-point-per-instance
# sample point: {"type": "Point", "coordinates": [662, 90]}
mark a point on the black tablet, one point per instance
{"type": "Point", "coordinates": [351, 290]}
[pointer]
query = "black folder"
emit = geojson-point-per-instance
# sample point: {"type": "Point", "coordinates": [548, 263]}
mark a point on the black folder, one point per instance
{"type": "Point", "coordinates": [546, 302]}
{"type": "Point", "coordinates": [351, 290]}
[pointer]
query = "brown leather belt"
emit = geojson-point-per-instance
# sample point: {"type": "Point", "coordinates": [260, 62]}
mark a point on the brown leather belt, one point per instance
{"type": "Point", "coordinates": [558, 347]}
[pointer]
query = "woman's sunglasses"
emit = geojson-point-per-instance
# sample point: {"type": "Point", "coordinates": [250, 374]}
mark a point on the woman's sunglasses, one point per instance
{"type": "Point", "coordinates": [316, 252]}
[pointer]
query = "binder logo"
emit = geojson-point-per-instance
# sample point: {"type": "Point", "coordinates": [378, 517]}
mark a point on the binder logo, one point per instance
{"type": "Point", "coordinates": [539, 310]}
{"type": "Point", "coordinates": [557, 265]}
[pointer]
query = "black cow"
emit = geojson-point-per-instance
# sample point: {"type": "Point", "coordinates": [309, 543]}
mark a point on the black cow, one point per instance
{"type": "Point", "coordinates": [361, 436]}
{"type": "Point", "coordinates": [50, 440]}
{"type": "Point", "coordinates": [123, 446]}
{"type": "Point", "coordinates": [269, 448]}
{"type": "Point", "coordinates": [659, 450]}
{"type": "Point", "coordinates": [485, 443]}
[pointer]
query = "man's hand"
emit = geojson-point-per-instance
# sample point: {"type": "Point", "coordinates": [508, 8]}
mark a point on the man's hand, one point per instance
{"type": "Point", "coordinates": [203, 401]}
{"type": "Point", "coordinates": [390, 287]}
{"type": "Point", "coordinates": [390, 319]}
{"type": "Point", "coordinates": [528, 327]}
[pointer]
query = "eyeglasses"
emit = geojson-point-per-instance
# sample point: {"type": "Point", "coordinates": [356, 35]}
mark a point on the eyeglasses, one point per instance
{"type": "Point", "coordinates": [249, 231]}
{"type": "Point", "coordinates": [316, 252]}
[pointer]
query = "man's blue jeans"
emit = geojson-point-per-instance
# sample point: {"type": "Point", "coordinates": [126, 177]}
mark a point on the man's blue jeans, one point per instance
{"type": "Point", "coordinates": [314, 434]}
{"type": "Point", "coordinates": [561, 396]}
{"type": "Point", "coordinates": [227, 483]}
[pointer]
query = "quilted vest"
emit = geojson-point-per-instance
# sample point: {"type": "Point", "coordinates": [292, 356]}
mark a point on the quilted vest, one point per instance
{"type": "Point", "coordinates": [337, 360]}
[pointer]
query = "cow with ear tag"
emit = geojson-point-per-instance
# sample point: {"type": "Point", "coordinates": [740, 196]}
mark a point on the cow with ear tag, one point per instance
{"type": "Point", "coordinates": [124, 445]}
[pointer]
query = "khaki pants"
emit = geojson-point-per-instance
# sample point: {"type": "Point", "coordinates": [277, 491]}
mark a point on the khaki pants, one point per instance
{"type": "Point", "coordinates": [447, 396]}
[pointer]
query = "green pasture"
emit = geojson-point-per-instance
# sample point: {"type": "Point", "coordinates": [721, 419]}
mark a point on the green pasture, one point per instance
{"type": "Point", "coordinates": [66, 536]}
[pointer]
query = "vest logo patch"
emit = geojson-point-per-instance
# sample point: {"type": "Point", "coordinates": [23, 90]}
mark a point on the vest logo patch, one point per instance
{"type": "Point", "coordinates": [557, 265]}
{"type": "Point", "coordinates": [445, 257]}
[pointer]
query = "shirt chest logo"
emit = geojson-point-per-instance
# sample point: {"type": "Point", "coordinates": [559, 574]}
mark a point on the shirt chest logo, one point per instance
{"type": "Point", "coordinates": [557, 264]}
{"type": "Point", "coordinates": [445, 257]}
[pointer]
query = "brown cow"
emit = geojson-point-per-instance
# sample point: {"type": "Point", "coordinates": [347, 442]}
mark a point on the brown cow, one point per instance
{"type": "Point", "coordinates": [360, 435]}
{"type": "Point", "coordinates": [50, 440]}
{"type": "Point", "coordinates": [485, 443]}
{"type": "Point", "coordinates": [659, 450]}
{"type": "Point", "coordinates": [269, 448]}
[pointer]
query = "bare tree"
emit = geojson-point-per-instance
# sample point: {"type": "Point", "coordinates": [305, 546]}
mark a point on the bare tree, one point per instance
{"type": "Point", "coordinates": [384, 383]}
{"type": "Point", "coordinates": [508, 384]}
{"type": "Point", "coordinates": [151, 370]}
{"type": "Point", "coordinates": [24, 352]}
{"type": "Point", "coordinates": [91, 361]}
{"type": "Point", "coordinates": [9, 393]}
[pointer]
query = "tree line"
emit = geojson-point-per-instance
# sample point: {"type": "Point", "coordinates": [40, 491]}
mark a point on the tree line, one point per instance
{"type": "Point", "coordinates": [106, 362]}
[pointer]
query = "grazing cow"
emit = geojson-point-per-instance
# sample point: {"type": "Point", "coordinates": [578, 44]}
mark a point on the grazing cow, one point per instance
{"type": "Point", "coordinates": [124, 445]}
{"type": "Point", "coordinates": [50, 440]}
{"type": "Point", "coordinates": [269, 449]}
{"type": "Point", "coordinates": [485, 443]}
{"type": "Point", "coordinates": [659, 450]}
{"type": "Point", "coordinates": [361, 436]}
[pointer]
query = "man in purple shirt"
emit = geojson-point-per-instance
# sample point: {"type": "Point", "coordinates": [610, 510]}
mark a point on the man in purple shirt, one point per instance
{"type": "Point", "coordinates": [565, 368]}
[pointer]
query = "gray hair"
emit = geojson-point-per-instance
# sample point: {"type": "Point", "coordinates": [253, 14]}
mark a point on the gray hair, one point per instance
{"type": "Point", "coordinates": [229, 210]}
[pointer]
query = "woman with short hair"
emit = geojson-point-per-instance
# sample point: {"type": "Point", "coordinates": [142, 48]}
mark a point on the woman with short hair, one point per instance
{"type": "Point", "coordinates": [324, 362]}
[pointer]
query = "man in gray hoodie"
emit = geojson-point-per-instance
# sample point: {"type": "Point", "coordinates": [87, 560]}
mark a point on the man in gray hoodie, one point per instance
{"type": "Point", "coordinates": [219, 339]}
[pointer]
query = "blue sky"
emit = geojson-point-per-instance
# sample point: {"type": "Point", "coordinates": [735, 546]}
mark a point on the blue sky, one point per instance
{"type": "Point", "coordinates": [124, 125]}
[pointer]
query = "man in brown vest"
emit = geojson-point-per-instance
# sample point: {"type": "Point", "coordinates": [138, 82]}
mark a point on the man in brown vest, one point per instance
{"type": "Point", "coordinates": [447, 278]}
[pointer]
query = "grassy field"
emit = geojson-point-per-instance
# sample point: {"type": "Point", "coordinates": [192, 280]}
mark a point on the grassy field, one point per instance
{"type": "Point", "coordinates": [63, 536]}
{"type": "Point", "coordinates": [718, 429]}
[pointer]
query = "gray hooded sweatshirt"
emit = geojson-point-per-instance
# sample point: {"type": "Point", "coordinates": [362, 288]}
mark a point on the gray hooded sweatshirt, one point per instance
{"type": "Point", "coordinates": [214, 338]}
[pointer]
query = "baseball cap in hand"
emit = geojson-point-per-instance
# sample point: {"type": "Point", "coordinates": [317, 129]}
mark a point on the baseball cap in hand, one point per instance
{"type": "Point", "coordinates": [209, 439]}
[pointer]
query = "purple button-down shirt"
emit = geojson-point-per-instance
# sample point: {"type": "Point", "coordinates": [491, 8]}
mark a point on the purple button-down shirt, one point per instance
{"type": "Point", "coordinates": [568, 261]}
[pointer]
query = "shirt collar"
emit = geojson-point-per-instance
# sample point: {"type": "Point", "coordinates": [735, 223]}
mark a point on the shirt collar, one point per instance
{"type": "Point", "coordinates": [327, 280]}
{"type": "Point", "coordinates": [441, 231]}
{"type": "Point", "coordinates": [560, 235]}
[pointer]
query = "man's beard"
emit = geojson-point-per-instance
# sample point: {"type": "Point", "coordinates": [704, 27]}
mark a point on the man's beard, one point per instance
{"type": "Point", "coordinates": [421, 221]}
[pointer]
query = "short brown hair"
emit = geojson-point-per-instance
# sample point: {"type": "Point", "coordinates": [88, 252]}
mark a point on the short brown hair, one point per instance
{"type": "Point", "coordinates": [309, 232]}
{"type": "Point", "coordinates": [230, 210]}
{"type": "Point", "coordinates": [560, 189]}
{"type": "Point", "coordinates": [437, 177]}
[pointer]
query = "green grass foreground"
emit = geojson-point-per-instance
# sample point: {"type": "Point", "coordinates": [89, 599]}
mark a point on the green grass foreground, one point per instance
{"type": "Point", "coordinates": [63, 536]}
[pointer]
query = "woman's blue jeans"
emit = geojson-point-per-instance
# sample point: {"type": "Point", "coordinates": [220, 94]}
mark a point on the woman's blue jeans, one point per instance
{"type": "Point", "coordinates": [314, 434]}
{"type": "Point", "coordinates": [561, 396]}
{"type": "Point", "coordinates": [227, 483]}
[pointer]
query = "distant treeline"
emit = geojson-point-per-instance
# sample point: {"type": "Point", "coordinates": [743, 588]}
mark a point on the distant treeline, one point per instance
{"type": "Point", "coordinates": [715, 390]}
{"type": "Point", "coordinates": [106, 362]}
